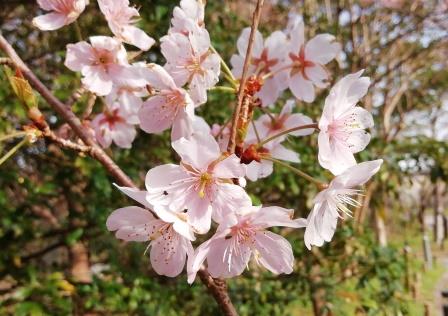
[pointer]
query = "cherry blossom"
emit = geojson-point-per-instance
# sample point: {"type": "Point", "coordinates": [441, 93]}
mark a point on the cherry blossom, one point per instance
{"type": "Point", "coordinates": [202, 184]}
{"type": "Point", "coordinates": [63, 12]}
{"type": "Point", "coordinates": [330, 203]}
{"type": "Point", "coordinates": [121, 19]}
{"type": "Point", "coordinates": [230, 249]}
{"type": "Point", "coordinates": [305, 62]}
{"type": "Point", "coordinates": [189, 60]}
{"type": "Point", "coordinates": [129, 94]}
{"type": "Point", "coordinates": [267, 57]}
{"type": "Point", "coordinates": [102, 63]}
{"type": "Point", "coordinates": [170, 236]}
{"type": "Point", "coordinates": [272, 124]}
{"type": "Point", "coordinates": [115, 124]}
{"type": "Point", "coordinates": [188, 15]}
{"type": "Point", "coordinates": [342, 125]}
{"type": "Point", "coordinates": [168, 106]}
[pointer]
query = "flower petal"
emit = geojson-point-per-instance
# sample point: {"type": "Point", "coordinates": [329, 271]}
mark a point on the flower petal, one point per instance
{"type": "Point", "coordinates": [50, 21]}
{"type": "Point", "coordinates": [135, 36]}
{"type": "Point", "coordinates": [301, 88]}
{"type": "Point", "coordinates": [283, 153]}
{"type": "Point", "coordinates": [198, 151]}
{"type": "Point", "coordinates": [230, 167]}
{"type": "Point", "coordinates": [275, 252]}
{"type": "Point", "coordinates": [168, 254]}
{"type": "Point", "coordinates": [135, 194]}
{"type": "Point", "coordinates": [322, 48]}
{"type": "Point", "coordinates": [226, 258]}
{"type": "Point", "coordinates": [358, 174]}
{"type": "Point", "coordinates": [274, 216]}
{"type": "Point", "coordinates": [96, 80]}
{"type": "Point", "coordinates": [79, 55]}
{"type": "Point", "coordinates": [155, 115]}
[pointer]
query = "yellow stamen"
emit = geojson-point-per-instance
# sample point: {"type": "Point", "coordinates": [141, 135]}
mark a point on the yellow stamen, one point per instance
{"type": "Point", "coordinates": [205, 180]}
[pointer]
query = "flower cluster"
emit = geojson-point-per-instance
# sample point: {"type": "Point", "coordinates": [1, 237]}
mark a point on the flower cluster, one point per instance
{"type": "Point", "coordinates": [206, 190]}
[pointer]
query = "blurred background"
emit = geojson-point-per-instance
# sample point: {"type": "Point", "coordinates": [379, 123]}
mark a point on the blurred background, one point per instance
{"type": "Point", "coordinates": [58, 258]}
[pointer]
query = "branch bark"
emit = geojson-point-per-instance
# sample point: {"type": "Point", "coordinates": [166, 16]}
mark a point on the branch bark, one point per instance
{"type": "Point", "coordinates": [217, 287]}
{"type": "Point", "coordinates": [236, 113]}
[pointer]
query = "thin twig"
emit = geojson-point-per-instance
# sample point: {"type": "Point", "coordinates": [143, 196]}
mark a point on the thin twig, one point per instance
{"type": "Point", "coordinates": [67, 115]}
{"type": "Point", "coordinates": [287, 131]}
{"type": "Point", "coordinates": [236, 112]}
{"type": "Point", "coordinates": [65, 143]}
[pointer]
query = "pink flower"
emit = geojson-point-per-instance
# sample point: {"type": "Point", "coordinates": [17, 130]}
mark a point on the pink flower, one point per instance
{"type": "Point", "coordinates": [267, 57]}
{"type": "Point", "coordinates": [121, 19]}
{"type": "Point", "coordinates": [272, 124]}
{"type": "Point", "coordinates": [187, 16]}
{"type": "Point", "coordinates": [189, 60]}
{"type": "Point", "coordinates": [115, 124]}
{"type": "Point", "coordinates": [169, 236]}
{"type": "Point", "coordinates": [202, 184]}
{"type": "Point", "coordinates": [102, 63]}
{"type": "Point", "coordinates": [229, 250]}
{"type": "Point", "coordinates": [63, 13]}
{"type": "Point", "coordinates": [306, 62]}
{"type": "Point", "coordinates": [168, 106]}
{"type": "Point", "coordinates": [342, 125]}
{"type": "Point", "coordinates": [331, 202]}
{"type": "Point", "coordinates": [129, 94]}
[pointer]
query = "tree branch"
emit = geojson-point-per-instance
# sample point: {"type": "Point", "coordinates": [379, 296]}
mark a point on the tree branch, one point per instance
{"type": "Point", "coordinates": [216, 287]}
{"type": "Point", "coordinates": [236, 113]}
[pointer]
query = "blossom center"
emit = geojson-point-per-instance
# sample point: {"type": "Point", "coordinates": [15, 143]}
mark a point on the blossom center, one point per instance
{"type": "Point", "coordinates": [276, 124]}
{"type": "Point", "coordinates": [204, 181]}
{"type": "Point", "coordinates": [299, 63]}
{"type": "Point", "coordinates": [263, 63]}
{"type": "Point", "coordinates": [111, 118]}
{"type": "Point", "coordinates": [344, 197]}
{"type": "Point", "coordinates": [104, 57]}
{"type": "Point", "coordinates": [194, 65]}
{"type": "Point", "coordinates": [243, 232]}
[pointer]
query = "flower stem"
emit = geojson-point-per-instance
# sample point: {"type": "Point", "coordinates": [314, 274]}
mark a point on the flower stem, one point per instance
{"type": "Point", "coordinates": [227, 72]}
{"type": "Point", "coordinates": [12, 135]}
{"type": "Point", "coordinates": [255, 130]}
{"type": "Point", "coordinates": [13, 150]}
{"type": "Point", "coordinates": [224, 88]}
{"type": "Point", "coordinates": [78, 31]}
{"type": "Point", "coordinates": [298, 172]}
{"type": "Point", "coordinates": [286, 131]}
{"type": "Point", "coordinates": [267, 113]}
{"type": "Point", "coordinates": [273, 73]}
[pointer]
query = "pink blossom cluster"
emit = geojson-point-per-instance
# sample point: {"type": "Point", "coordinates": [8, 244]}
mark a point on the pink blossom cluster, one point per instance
{"type": "Point", "coordinates": [205, 191]}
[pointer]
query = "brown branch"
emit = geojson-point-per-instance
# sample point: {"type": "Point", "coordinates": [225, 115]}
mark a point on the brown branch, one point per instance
{"type": "Point", "coordinates": [236, 113]}
{"type": "Point", "coordinates": [216, 287]}
{"type": "Point", "coordinates": [67, 115]}
{"type": "Point", "coordinates": [65, 143]}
